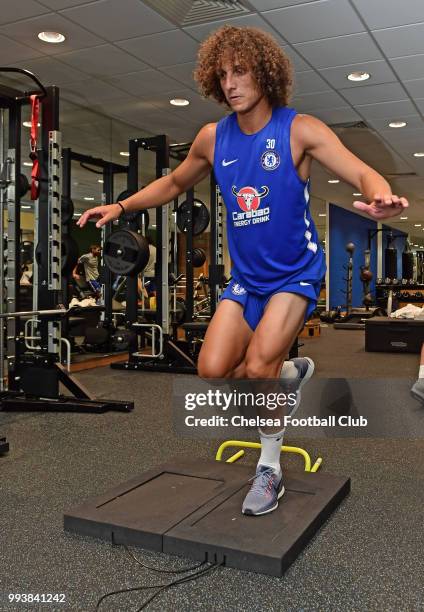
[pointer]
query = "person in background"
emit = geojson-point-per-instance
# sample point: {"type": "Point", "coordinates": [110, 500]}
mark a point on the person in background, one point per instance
{"type": "Point", "coordinates": [90, 263]}
{"type": "Point", "coordinates": [149, 272]}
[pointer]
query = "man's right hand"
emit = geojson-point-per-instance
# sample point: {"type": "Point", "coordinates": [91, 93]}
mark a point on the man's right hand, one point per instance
{"type": "Point", "coordinates": [104, 214]}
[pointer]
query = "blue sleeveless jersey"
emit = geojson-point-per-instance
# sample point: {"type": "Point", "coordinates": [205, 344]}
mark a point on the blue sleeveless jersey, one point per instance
{"type": "Point", "coordinates": [272, 238]}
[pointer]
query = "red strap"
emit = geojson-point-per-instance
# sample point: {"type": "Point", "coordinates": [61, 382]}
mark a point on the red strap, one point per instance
{"type": "Point", "coordinates": [35, 112]}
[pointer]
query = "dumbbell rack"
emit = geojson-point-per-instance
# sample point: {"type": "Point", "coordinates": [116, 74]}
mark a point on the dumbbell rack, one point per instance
{"type": "Point", "coordinates": [403, 294]}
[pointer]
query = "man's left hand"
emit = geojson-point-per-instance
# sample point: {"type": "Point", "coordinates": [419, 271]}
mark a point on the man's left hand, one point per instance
{"type": "Point", "coordinates": [383, 206]}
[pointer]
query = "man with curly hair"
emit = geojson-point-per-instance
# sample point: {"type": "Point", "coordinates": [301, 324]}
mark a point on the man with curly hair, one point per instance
{"type": "Point", "coordinates": [261, 155]}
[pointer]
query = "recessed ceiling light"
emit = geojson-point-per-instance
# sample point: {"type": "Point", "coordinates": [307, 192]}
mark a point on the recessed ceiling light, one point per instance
{"type": "Point", "coordinates": [357, 194]}
{"type": "Point", "coordinates": [417, 224]}
{"type": "Point", "coordinates": [403, 218]}
{"type": "Point", "coordinates": [51, 37]}
{"type": "Point", "coordinates": [397, 124]}
{"type": "Point", "coordinates": [322, 215]}
{"type": "Point", "coordinates": [124, 153]}
{"type": "Point", "coordinates": [179, 102]}
{"type": "Point", "coordinates": [28, 164]}
{"type": "Point", "coordinates": [358, 76]}
{"type": "Point", "coordinates": [28, 124]}
{"type": "Point", "coordinates": [25, 206]}
{"type": "Point", "coordinates": [89, 199]}
{"type": "Point", "coordinates": [100, 181]}
{"type": "Point", "coordinates": [334, 181]}
{"type": "Point", "coordinates": [419, 154]}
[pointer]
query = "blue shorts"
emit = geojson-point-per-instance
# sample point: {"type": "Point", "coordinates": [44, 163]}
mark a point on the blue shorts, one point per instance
{"type": "Point", "coordinates": [94, 285]}
{"type": "Point", "coordinates": [254, 304]}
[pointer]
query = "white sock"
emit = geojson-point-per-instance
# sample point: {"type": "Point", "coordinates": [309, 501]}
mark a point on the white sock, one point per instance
{"type": "Point", "coordinates": [271, 449]}
{"type": "Point", "coordinates": [421, 372]}
{"type": "Point", "coordinates": [289, 370]}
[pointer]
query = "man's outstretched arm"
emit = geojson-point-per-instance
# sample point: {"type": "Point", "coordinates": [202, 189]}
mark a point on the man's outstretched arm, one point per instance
{"type": "Point", "coordinates": [322, 144]}
{"type": "Point", "coordinates": [191, 171]}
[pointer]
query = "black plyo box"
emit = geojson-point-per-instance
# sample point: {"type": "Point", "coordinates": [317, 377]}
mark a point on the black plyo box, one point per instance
{"type": "Point", "coordinates": [193, 509]}
{"type": "Point", "coordinates": [387, 335]}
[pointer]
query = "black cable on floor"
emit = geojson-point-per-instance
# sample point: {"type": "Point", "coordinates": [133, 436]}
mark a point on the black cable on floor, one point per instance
{"type": "Point", "coordinates": [178, 582]}
{"type": "Point", "coordinates": [160, 587]}
{"type": "Point", "coordinates": [162, 571]}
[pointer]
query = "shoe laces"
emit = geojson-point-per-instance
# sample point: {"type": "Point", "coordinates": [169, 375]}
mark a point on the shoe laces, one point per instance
{"type": "Point", "coordinates": [262, 480]}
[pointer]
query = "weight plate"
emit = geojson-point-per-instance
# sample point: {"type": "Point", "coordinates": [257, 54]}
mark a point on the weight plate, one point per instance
{"type": "Point", "coordinates": [67, 207]}
{"type": "Point", "coordinates": [126, 253]}
{"type": "Point", "coordinates": [141, 217]}
{"type": "Point", "coordinates": [199, 257]}
{"type": "Point", "coordinates": [201, 217]}
{"type": "Point", "coordinates": [23, 185]}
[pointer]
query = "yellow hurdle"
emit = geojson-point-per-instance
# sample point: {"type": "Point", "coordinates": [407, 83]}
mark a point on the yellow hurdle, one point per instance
{"type": "Point", "coordinates": [286, 449]}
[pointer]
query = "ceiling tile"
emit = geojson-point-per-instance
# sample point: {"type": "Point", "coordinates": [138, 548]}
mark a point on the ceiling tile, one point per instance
{"type": "Point", "coordinates": [161, 101]}
{"type": "Point", "coordinates": [316, 20]}
{"type": "Point", "coordinates": [370, 94]}
{"type": "Point", "coordinates": [182, 73]}
{"type": "Point", "coordinates": [410, 138]}
{"type": "Point", "coordinates": [381, 14]}
{"type": "Point", "coordinates": [118, 20]}
{"type": "Point", "coordinates": [58, 5]}
{"type": "Point", "coordinates": [299, 64]}
{"type": "Point", "coordinates": [343, 114]}
{"type": "Point", "coordinates": [324, 100]}
{"type": "Point", "coordinates": [200, 32]}
{"type": "Point", "coordinates": [104, 60]}
{"type": "Point", "coordinates": [266, 5]}
{"type": "Point", "coordinates": [410, 67]}
{"type": "Point", "coordinates": [144, 83]}
{"type": "Point", "coordinates": [405, 40]}
{"type": "Point", "coordinates": [13, 11]}
{"type": "Point", "coordinates": [340, 51]}
{"type": "Point", "coordinates": [156, 49]}
{"type": "Point", "coordinates": [52, 72]}
{"type": "Point", "coordinates": [12, 51]}
{"type": "Point", "coordinates": [206, 111]}
{"type": "Point", "coordinates": [309, 82]}
{"type": "Point", "coordinates": [90, 91]}
{"type": "Point", "coordinates": [388, 110]}
{"type": "Point", "coordinates": [26, 32]}
{"type": "Point", "coordinates": [382, 125]}
{"type": "Point", "coordinates": [380, 73]}
{"type": "Point", "coordinates": [415, 88]}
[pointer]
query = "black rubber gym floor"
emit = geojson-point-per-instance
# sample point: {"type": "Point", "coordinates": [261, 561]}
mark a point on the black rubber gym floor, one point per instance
{"type": "Point", "coordinates": [368, 556]}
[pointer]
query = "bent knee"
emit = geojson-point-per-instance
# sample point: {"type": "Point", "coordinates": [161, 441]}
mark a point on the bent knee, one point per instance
{"type": "Point", "coordinates": [212, 369]}
{"type": "Point", "coordinates": [260, 369]}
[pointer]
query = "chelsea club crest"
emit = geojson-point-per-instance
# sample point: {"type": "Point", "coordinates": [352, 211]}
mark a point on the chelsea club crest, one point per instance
{"type": "Point", "coordinates": [270, 160]}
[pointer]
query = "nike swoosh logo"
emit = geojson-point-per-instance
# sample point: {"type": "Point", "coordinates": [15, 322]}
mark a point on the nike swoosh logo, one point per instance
{"type": "Point", "coordinates": [227, 163]}
{"type": "Point", "coordinates": [304, 284]}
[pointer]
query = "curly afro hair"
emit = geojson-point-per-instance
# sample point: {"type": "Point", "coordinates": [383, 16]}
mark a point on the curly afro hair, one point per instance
{"type": "Point", "coordinates": [256, 51]}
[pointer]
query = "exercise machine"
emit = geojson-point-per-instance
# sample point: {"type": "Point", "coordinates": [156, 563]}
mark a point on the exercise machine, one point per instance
{"type": "Point", "coordinates": [34, 340]}
{"type": "Point", "coordinates": [168, 352]}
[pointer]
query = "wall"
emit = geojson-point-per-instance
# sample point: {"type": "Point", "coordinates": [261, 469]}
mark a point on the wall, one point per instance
{"type": "Point", "coordinates": [346, 226]}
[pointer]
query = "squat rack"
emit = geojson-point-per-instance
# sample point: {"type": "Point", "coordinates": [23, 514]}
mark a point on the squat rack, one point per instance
{"type": "Point", "coordinates": [168, 353]}
{"type": "Point", "coordinates": [34, 370]}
